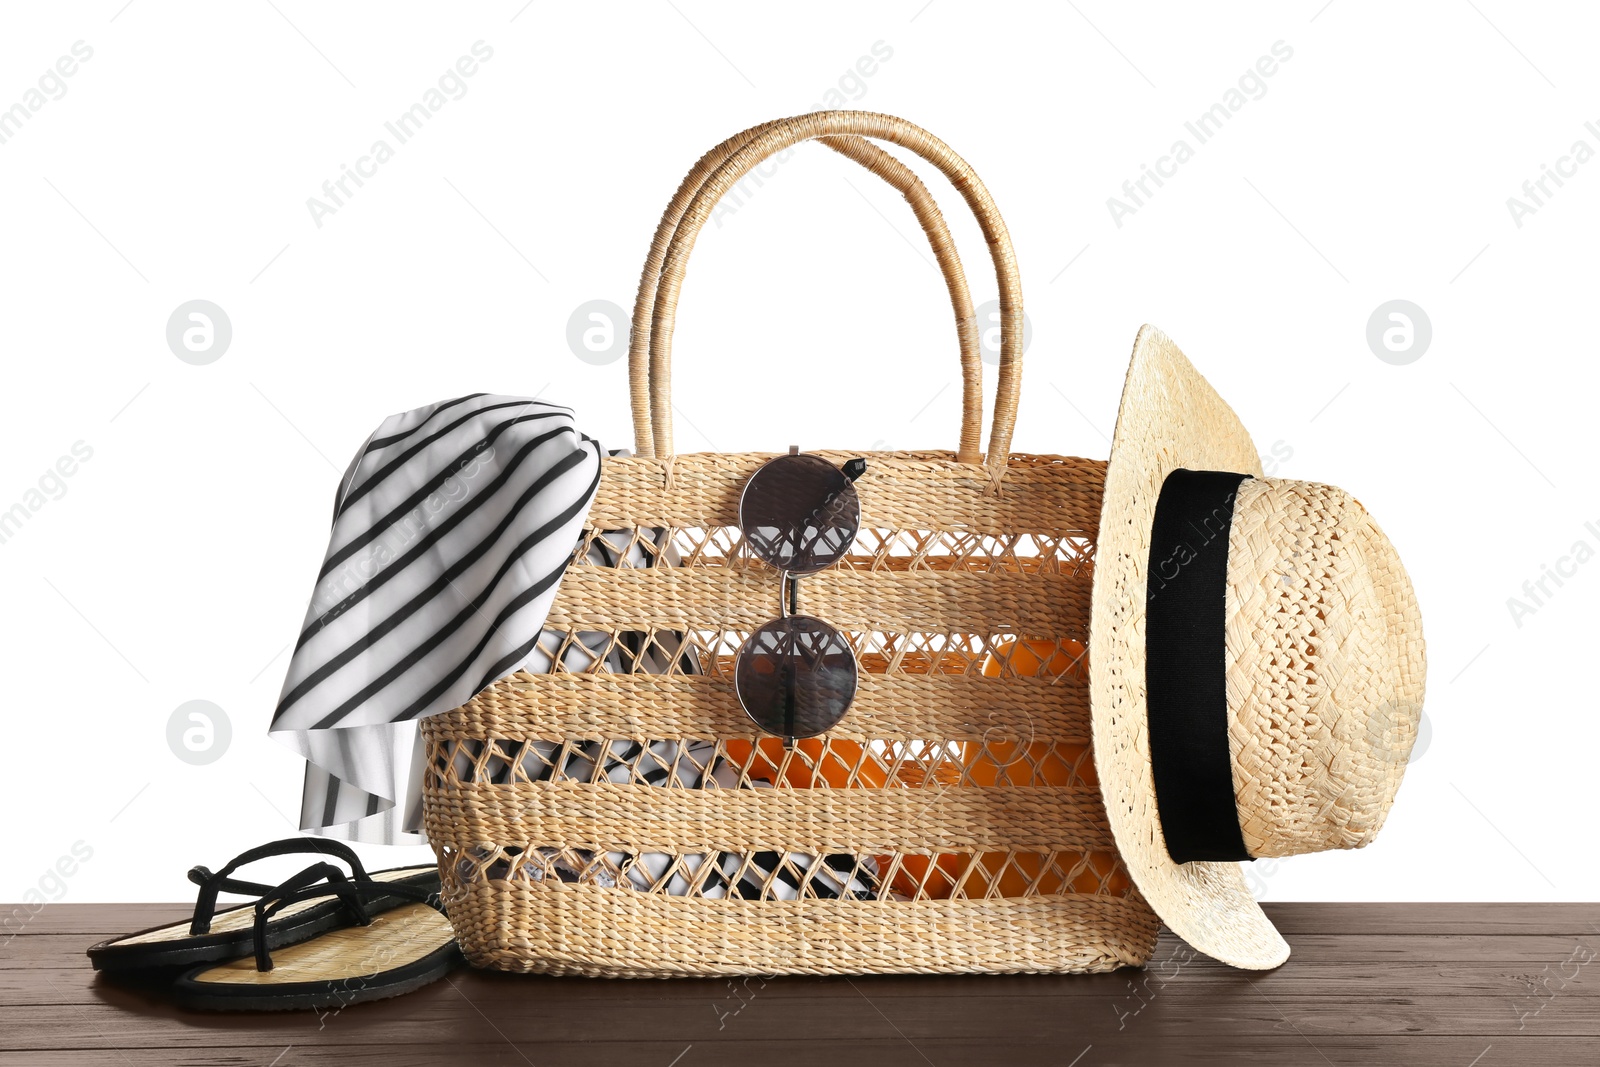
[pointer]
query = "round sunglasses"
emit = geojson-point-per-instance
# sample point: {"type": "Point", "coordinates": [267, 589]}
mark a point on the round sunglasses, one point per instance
{"type": "Point", "coordinates": [796, 675]}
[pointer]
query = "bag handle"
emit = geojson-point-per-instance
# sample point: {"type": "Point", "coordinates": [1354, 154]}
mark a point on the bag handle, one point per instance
{"type": "Point", "coordinates": [651, 381]}
{"type": "Point", "coordinates": [926, 209]}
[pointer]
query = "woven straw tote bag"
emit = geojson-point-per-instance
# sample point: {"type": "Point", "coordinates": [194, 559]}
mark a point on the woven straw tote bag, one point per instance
{"type": "Point", "coordinates": [619, 815]}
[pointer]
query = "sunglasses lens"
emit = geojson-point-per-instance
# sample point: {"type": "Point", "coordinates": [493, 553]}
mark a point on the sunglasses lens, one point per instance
{"type": "Point", "coordinates": [799, 513]}
{"type": "Point", "coordinates": [796, 676]}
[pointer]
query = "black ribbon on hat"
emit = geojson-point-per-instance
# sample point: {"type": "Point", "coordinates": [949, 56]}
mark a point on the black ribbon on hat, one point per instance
{"type": "Point", "coordinates": [1187, 700]}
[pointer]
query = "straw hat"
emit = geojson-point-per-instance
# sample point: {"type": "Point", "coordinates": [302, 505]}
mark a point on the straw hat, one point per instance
{"type": "Point", "coordinates": [1256, 660]}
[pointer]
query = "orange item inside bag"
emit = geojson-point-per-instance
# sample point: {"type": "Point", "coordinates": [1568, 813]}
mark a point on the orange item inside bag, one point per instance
{"type": "Point", "coordinates": [813, 762]}
{"type": "Point", "coordinates": [1020, 763]}
{"type": "Point", "coordinates": [817, 763]}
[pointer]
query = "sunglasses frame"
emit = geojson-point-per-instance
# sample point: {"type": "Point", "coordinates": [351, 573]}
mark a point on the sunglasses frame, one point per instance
{"type": "Point", "coordinates": [789, 593]}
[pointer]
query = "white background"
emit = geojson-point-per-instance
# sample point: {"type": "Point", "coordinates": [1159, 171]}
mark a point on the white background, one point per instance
{"type": "Point", "coordinates": [176, 563]}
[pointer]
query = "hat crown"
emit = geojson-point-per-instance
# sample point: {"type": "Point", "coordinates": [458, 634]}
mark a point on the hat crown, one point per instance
{"type": "Point", "coordinates": [1324, 666]}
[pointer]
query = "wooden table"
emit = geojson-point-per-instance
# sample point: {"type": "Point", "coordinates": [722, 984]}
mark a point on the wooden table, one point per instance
{"type": "Point", "coordinates": [1464, 985]}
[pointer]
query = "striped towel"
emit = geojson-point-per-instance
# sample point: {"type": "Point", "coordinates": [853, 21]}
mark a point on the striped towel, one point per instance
{"type": "Point", "coordinates": [451, 531]}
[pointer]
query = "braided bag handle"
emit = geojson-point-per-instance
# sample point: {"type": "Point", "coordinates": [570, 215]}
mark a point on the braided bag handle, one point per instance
{"type": "Point", "coordinates": [655, 309]}
{"type": "Point", "coordinates": [880, 163]}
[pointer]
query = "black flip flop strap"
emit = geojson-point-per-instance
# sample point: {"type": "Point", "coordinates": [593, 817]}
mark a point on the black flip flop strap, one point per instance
{"type": "Point", "coordinates": [205, 903]}
{"type": "Point", "coordinates": [317, 881]}
{"type": "Point", "coordinates": [201, 874]}
{"type": "Point", "coordinates": [355, 894]}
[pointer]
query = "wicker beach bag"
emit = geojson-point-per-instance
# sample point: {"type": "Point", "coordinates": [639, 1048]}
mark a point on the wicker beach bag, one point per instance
{"type": "Point", "coordinates": [619, 815]}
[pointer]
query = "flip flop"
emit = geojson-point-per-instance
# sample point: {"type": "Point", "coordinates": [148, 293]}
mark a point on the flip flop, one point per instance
{"type": "Point", "coordinates": [212, 935]}
{"type": "Point", "coordinates": [396, 951]}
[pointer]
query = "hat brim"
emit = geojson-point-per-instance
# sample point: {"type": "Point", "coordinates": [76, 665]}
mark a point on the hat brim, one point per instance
{"type": "Point", "coordinates": [1170, 418]}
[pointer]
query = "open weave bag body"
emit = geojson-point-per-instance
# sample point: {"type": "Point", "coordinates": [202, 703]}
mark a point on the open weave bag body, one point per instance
{"type": "Point", "coordinates": [681, 764]}
{"type": "Point", "coordinates": [620, 815]}
{"type": "Point", "coordinates": [937, 776]}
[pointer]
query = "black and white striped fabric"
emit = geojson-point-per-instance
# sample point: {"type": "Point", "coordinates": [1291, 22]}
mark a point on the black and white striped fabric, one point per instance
{"type": "Point", "coordinates": [451, 531]}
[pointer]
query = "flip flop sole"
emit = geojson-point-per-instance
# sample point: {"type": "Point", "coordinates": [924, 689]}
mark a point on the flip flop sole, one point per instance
{"type": "Point", "coordinates": [401, 950]}
{"type": "Point", "coordinates": [306, 996]}
{"type": "Point", "coordinates": [231, 936]}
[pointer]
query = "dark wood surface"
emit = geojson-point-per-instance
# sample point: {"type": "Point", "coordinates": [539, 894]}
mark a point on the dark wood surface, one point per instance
{"type": "Point", "coordinates": [1463, 985]}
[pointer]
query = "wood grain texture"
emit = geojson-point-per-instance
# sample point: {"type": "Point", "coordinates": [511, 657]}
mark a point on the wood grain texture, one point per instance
{"type": "Point", "coordinates": [1416, 984]}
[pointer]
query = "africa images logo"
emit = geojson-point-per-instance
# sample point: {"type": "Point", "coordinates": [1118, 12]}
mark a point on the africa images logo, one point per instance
{"type": "Point", "coordinates": [451, 85]}
{"type": "Point", "coordinates": [1252, 85]}
{"type": "Point", "coordinates": [1538, 592]}
{"type": "Point", "coordinates": [1536, 192]}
